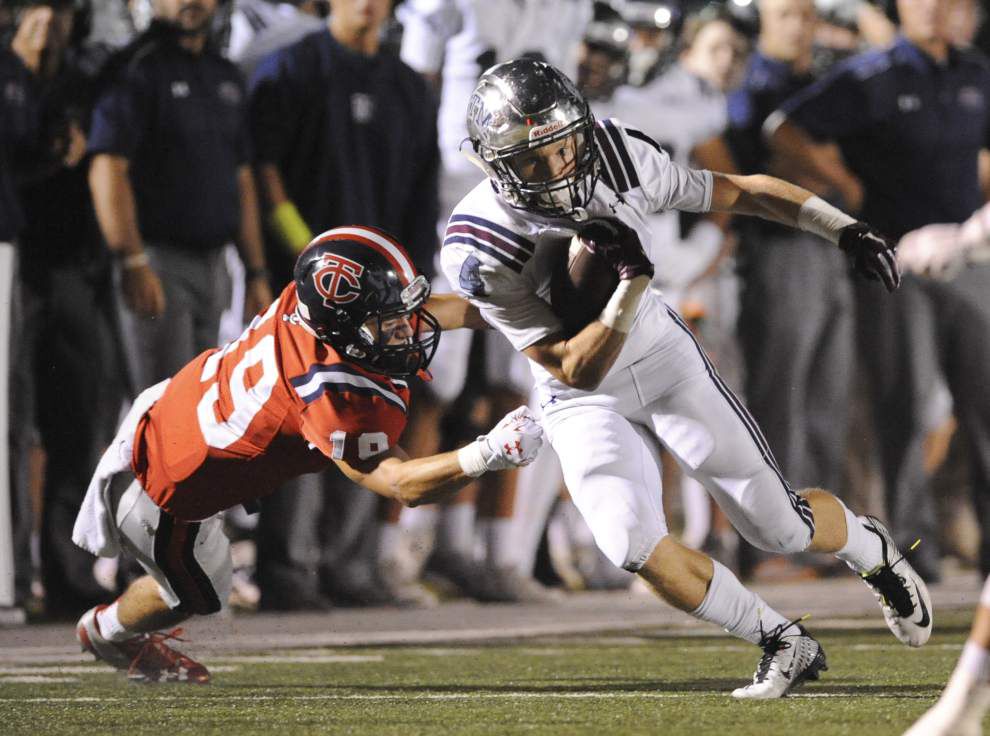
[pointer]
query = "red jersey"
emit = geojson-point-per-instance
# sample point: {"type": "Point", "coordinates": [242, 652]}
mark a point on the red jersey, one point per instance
{"type": "Point", "coordinates": [238, 421]}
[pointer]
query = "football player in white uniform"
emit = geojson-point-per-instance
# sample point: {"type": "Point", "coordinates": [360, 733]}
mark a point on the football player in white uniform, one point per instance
{"type": "Point", "coordinates": [634, 376]}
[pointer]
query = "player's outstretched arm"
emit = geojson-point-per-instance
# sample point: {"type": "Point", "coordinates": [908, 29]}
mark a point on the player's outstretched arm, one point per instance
{"type": "Point", "coordinates": [453, 312]}
{"type": "Point", "coordinates": [513, 442]}
{"type": "Point", "coordinates": [870, 252]}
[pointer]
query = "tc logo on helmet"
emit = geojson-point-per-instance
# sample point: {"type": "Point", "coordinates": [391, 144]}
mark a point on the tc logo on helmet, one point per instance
{"type": "Point", "coordinates": [338, 279]}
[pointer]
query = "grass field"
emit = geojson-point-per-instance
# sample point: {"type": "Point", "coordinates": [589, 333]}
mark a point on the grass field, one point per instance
{"type": "Point", "coordinates": [638, 683]}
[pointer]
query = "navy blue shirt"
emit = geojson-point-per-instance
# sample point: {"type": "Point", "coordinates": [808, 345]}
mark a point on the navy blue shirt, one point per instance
{"type": "Point", "coordinates": [18, 126]}
{"type": "Point", "coordinates": [766, 85]}
{"type": "Point", "coordinates": [180, 120]}
{"type": "Point", "coordinates": [354, 138]}
{"type": "Point", "coordinates": [911, 129]}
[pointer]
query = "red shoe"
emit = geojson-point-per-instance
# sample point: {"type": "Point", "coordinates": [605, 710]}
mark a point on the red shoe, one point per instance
{"type": "Point", "coordinates": [145, 658]}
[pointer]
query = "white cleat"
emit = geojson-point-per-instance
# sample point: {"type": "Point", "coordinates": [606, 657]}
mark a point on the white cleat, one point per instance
{"type": "Point", "coordinates": [790, 656]}
{"type": "Point", "coordinates": [955, 714]}
{"type": "Point", "coordinates": [902, 594]}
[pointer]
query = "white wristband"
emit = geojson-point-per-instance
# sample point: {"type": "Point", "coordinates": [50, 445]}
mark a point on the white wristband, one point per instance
{"type": "Point", "coordinates": [819, 217]}
{"type": "Point", "coordinates": [472, 459]}
{"type": "Point", "coordinates": [620, 311]}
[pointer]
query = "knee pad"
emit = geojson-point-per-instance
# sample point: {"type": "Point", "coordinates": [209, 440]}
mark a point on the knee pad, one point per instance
{"type": "Point", "coordinates": [626, 540]}
{"type": "Point", "coordinates": [766, 512]}
{"type": "Point", "coordinates": [787, 534]}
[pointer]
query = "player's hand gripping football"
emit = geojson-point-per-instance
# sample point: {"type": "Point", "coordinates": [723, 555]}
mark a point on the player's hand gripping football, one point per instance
{"type": "Point", "coordinates": [513, 442]}
{"type": "Point", "coordinates": [871, 254]}
{"type": "Point", "coordinates": [618, 244]}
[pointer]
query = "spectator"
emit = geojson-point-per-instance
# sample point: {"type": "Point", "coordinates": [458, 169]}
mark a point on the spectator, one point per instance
{"type": "Point", "coordinates": [20, 65]}
{"type": "Point", "coordinates": [912, 120]}
{"type": "Point", "coordinates": [172, 184]}
{"type": "Point", "coordinates": [71, 369]}
{"type": "Point", "coordinates": [345, 133]}
{"type": "Point", "coordinates": [796, 295]}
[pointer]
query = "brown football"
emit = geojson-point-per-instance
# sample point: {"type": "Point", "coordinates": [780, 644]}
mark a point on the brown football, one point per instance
{"type": "Point", "coordinates": [581, 286]}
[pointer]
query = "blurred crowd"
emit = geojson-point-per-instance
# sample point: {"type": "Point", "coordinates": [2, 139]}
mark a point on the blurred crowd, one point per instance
{"type": "Point", "coordinates": [162, 163]}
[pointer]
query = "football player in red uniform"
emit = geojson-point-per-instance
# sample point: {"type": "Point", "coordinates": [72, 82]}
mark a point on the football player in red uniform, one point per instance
{"type": "Point", "coordinates": [317, 378]}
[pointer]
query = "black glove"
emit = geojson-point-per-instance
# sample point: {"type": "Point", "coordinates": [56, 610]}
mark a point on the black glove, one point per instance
{"type": "Point", "coordinates": [618, 244]}
{"type": "Point", "coordinates": [871, 254]}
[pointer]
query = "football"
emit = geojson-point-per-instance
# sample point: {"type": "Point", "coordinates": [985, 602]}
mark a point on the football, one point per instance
{"type": "Point", "coordinates": [581, 286]}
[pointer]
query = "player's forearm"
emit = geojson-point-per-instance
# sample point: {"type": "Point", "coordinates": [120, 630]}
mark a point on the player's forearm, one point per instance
{"type": "Point", "coordinates": [271, 185]}
{"type": "Point", "coordinates": [283, 216]}
{"type": "Point", "coordinates": [760, 196]}
{"type": "Point", "coordinates": [780, 201]}
{"type": "Point", "coordinates": [113, 201]}
{"type": "Point", "coordinates": [416, 481]}
{"type": "Point", "coordinates": [453, 312]}
{"type": "Point", "coordinates": [584, 360]}
{"type": "Point", "coordinates": [587, 357]}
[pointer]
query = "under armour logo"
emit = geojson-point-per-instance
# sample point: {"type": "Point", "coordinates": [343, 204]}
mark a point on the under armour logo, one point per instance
{"type": "Point", "coordinates": [517, 446]}
{"type": "Point", "coordinates": [338, 279]}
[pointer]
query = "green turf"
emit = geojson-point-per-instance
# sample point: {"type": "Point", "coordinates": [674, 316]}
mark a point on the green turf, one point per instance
{"type": "Point", "coordinates": [650, 684]}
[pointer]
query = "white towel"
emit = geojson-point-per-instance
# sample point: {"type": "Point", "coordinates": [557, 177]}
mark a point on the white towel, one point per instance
{"type": "Point", "coordinates": [95, 529]}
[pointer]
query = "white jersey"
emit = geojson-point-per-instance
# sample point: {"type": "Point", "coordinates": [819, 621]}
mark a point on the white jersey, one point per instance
{"type": "Point", "coordinates": [680, 111]}
{"type": "Point", "coordinates": [501, 259]}
{"type": "Point", "coordinates": [460, 39]}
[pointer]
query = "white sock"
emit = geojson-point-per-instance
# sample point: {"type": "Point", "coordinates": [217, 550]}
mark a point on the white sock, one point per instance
{"type": "Point", "coordinates": [738, 610]}
{"type": "Point", "coordinates": [581, 533]}
{"type": "Point", "coordinates": [863, 550]}
{"type": "Point", "coordinates": [418, 519]}
{"type": "Point", "coordinates": [985, 593]}
{"type": "Point", "coordinates": [498, 538]}
{"type": "Point", "coordinates": [455, 532]}
{"type": "Point", "coordinates": [388, 540]}
{"type": "Point", "coordinates": [418, 533]}
{"type": "Point", "coordinates": [110, 626]}
{"type": "Point", "coordinates": [697, 513]}
{"type": "Point", "coordinates": [969, 686]}
{"type": "Point", "coordinates": [537, 487]}
{"type": "Point", "coordinates": [976, 661]}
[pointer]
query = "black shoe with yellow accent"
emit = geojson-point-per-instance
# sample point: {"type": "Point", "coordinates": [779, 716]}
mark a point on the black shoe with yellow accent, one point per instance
{"type": "Point", "coordinates": [901, 592]}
